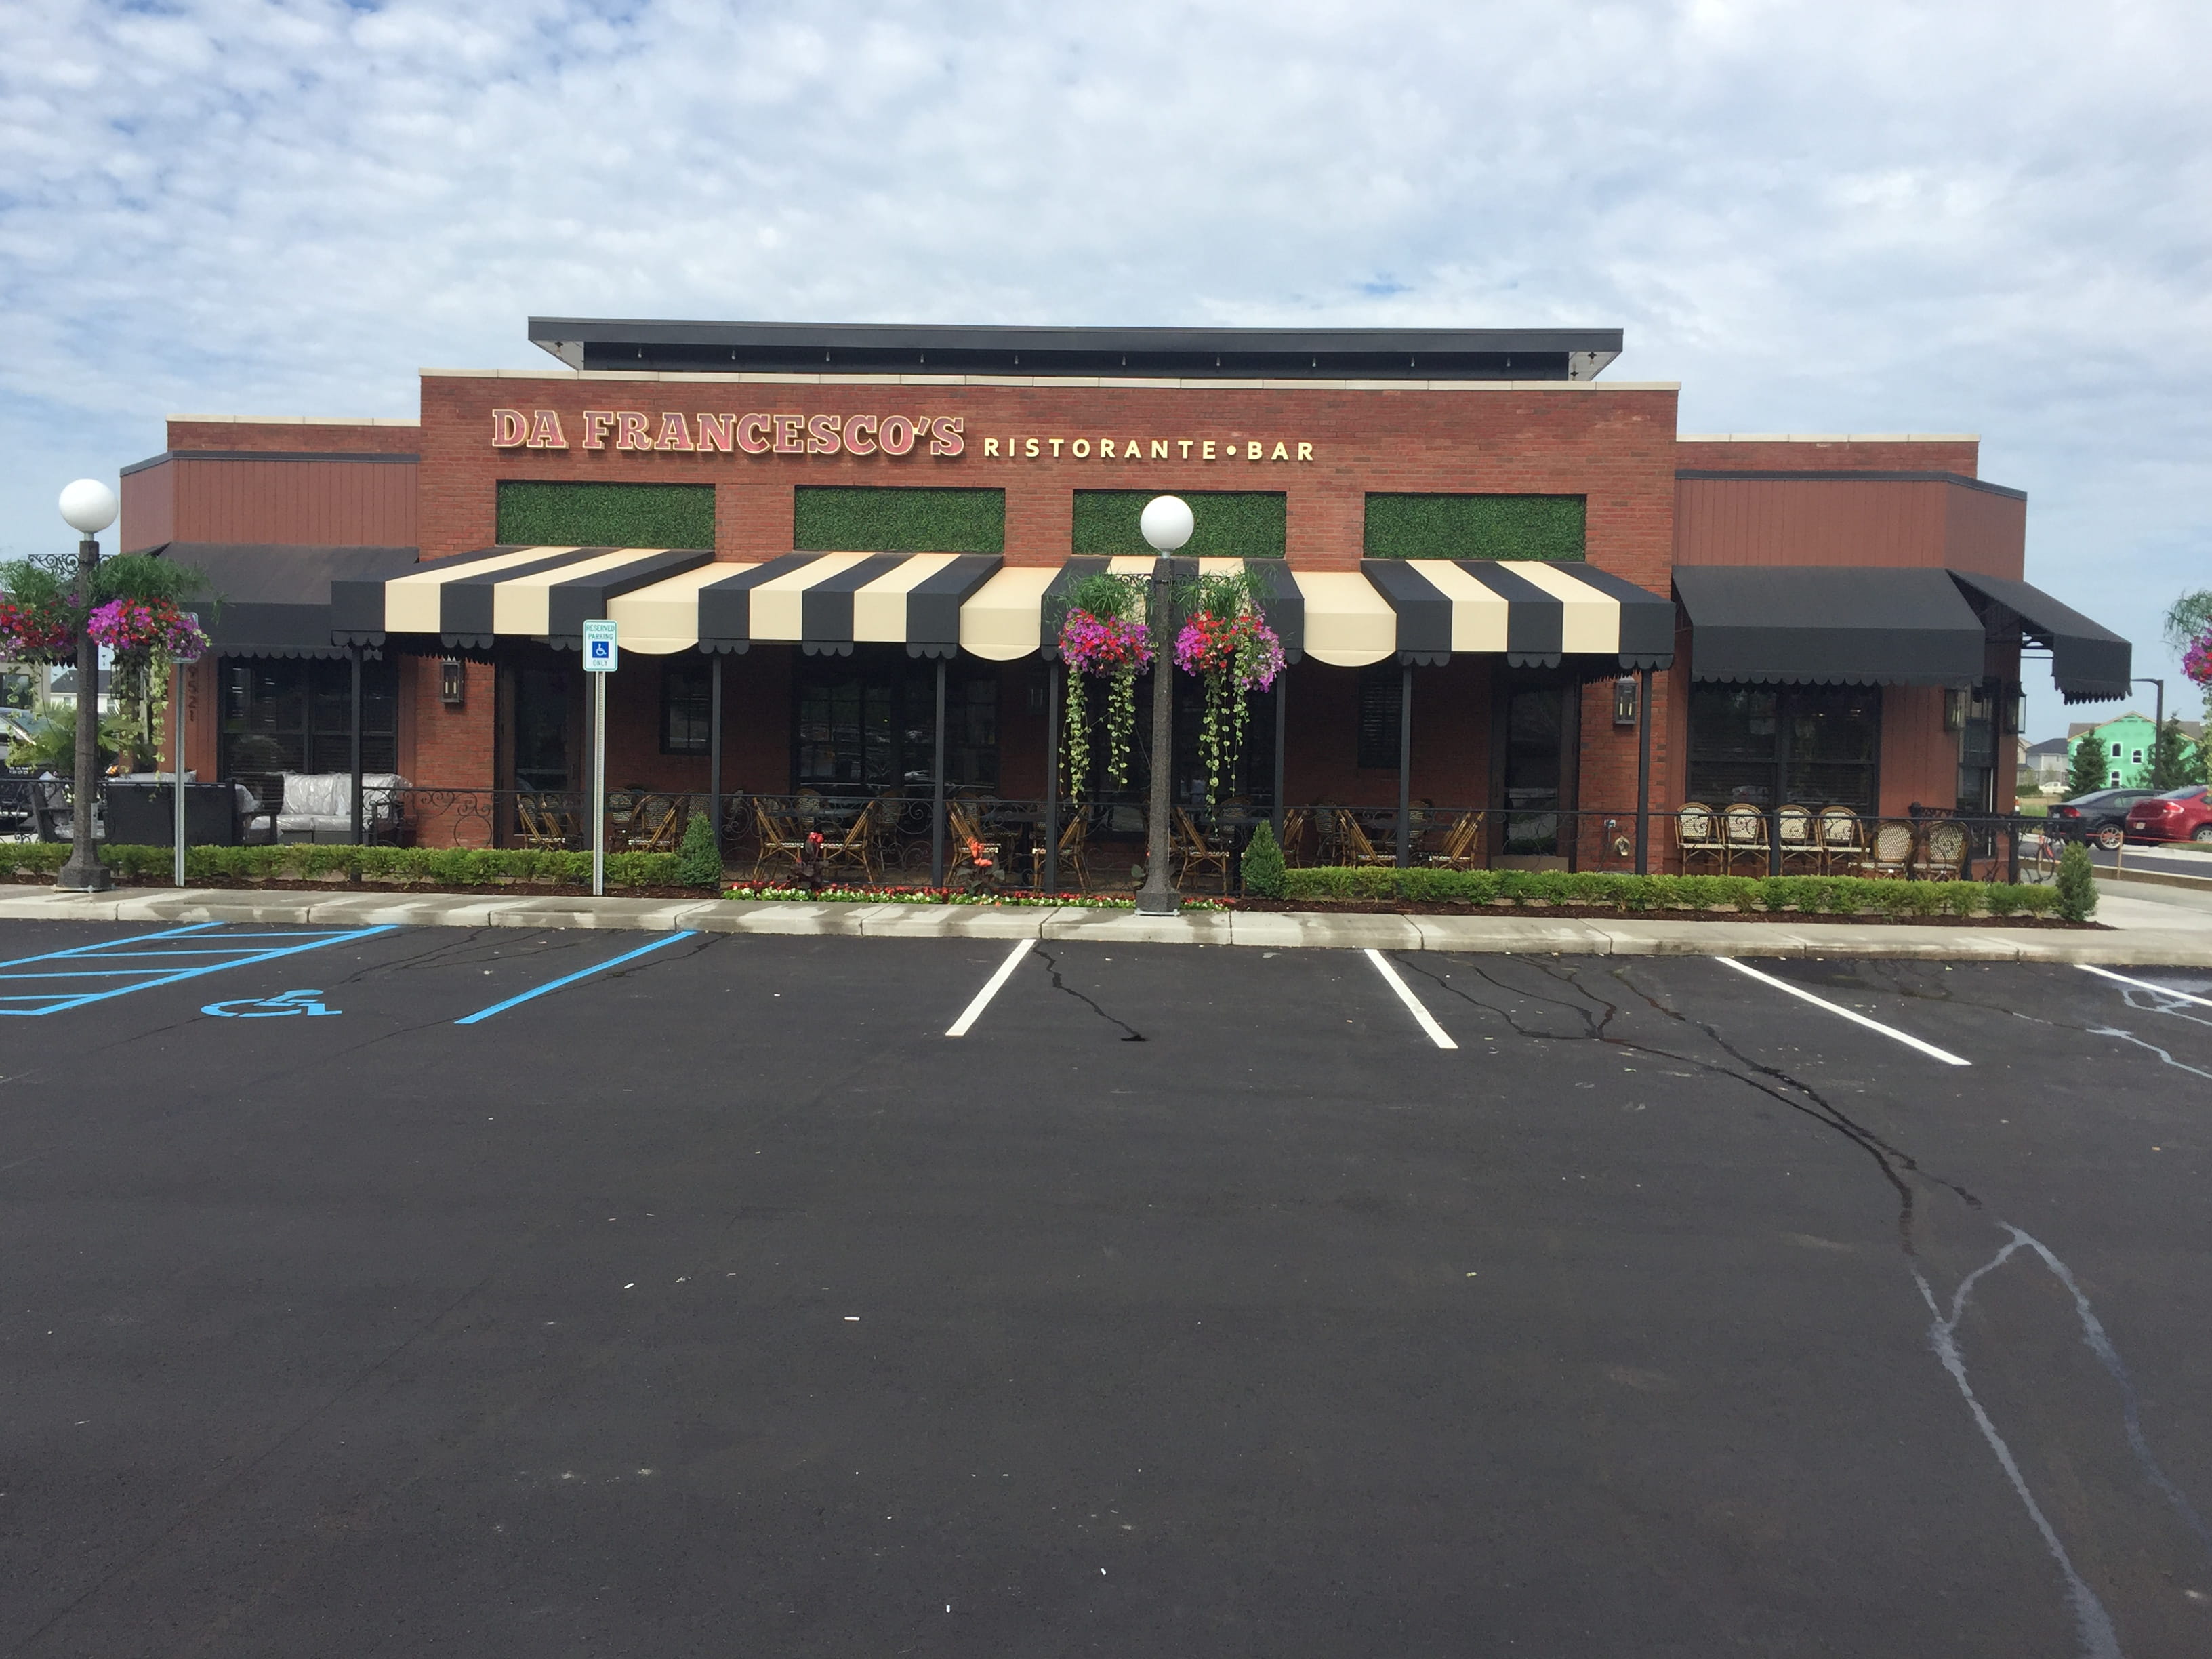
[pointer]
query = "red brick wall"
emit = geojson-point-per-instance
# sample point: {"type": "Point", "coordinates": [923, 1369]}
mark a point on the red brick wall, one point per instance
{"type": "Point", "coordinates": [1615, 446]}
{"type": "Point", "coordinates": [322, 437]}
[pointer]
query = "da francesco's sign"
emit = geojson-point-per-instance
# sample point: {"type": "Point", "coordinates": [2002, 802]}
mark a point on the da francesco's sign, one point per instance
{"type": "Point", "coordinates": [942, 435]}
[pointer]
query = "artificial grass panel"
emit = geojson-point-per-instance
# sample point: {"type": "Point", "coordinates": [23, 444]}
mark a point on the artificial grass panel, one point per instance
{"type": "Point", "coordinates": [1475, 526]}
{"type": "Point", "coordinates": [1228, 524]}
{"type": "Point", "coordinates": [535, 513]}
{"type": "Point", "coordinates": [833, 519]}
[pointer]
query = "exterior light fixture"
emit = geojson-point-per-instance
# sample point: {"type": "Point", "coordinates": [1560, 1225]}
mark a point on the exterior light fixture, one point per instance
{"type": "Point", "coordinates": [88, 507]}
{"type": "Point", "coordinates": [453, 683]}
{"type": "Point", "coordinates": [1624, 701]}
{"type": "Point", "coordinates": [1166, 524]}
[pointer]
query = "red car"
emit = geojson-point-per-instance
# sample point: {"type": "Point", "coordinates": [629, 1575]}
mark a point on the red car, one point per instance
{"type": "Point", "coordinates": [2184, 814]}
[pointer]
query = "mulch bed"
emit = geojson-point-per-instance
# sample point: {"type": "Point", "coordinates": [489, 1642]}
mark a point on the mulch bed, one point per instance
{"type": "Point", "coordinates": [1606, 913]}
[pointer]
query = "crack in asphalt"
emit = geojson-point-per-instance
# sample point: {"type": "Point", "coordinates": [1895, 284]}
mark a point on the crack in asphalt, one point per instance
{"type": "Point", "coordinates": [1052, 967]}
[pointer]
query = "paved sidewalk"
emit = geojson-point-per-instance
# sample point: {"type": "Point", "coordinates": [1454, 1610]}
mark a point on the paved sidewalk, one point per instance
{"type": "Point", "coordinates": [2144, 931]}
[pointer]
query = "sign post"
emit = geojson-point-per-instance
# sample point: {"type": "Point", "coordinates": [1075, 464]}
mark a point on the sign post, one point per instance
{"type": "Point", "coordinates": [601, 654]}
{"type": "Point", "coordinates": [177, 725]}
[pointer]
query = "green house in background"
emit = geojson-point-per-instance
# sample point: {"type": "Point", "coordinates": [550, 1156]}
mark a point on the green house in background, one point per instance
{"type": "Point", "coordinates": [2125, 742]}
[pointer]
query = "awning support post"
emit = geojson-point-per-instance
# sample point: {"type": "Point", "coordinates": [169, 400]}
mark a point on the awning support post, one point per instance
{"type": "Point", "coordinates": [352, 738]}
{"type": "Point", "coordinates": [176, 761]}
{"type": "Point", "coordinates": [715, 746]}
{"type": "Point", "coordinates": [1643, 775]}
{"type": "Point", "coordinates": [937, 789]}
{"type": "Point", "coordinates": [1282, 701]}
{"type": "Point", "coordinates": [1405, 764]}
{"type": "Point", "coordinates": [1052, 778]}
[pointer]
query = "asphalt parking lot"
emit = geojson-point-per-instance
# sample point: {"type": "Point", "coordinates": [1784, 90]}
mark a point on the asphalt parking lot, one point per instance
{"type": "Point", "coordinates": [587, 1293]}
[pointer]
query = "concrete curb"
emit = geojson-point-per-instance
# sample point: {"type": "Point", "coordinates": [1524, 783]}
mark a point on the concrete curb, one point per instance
{"type": "Point", "coordinates": [2145, 935]}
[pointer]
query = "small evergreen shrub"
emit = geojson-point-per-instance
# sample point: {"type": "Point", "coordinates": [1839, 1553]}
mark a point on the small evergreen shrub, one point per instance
{"type": "Point", "coordinates": [1262, 865]}
{"type": "Point", "coordinates": [699, 863]}
{"type": "Point", "coordinates": [2077, 884]}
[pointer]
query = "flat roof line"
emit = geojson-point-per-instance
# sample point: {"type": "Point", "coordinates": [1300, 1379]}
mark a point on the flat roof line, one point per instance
{"type": "Point", "coordinates": [1113, 382]}
{"type": "Point", "coordinates": [301, 420]}
{"type": "Point", "coordinates": [1827, 438]}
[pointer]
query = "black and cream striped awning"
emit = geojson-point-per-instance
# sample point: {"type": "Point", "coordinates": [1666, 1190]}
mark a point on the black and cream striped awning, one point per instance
{"type": "Point", "coordinates": [671, 599]}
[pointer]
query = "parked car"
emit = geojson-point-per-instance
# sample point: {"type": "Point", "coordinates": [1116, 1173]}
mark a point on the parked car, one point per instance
{"type": "Point", "coordinates": [2101, 815]}
{"type": "Point", "coordinates": [2183, 814]}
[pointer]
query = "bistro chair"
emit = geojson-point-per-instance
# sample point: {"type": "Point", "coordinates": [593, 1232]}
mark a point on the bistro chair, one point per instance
{"type": "Point", "coordinates": [1743, 827]}
{"type": "Point", "coordinates": [856, 848]}
{"type": "Point", "coordinates": [1462, 848]}
{"type": "Point", "coordinates": [1843, 846]}
{"type": "Point", "coordinates": [970, 848]}
{"type": "Point", "coordinates": [1296, 821]}
{"type": "Point", "coordinates": [1889, 853]}
{"type": "Point", "coordinates": [655, 824]}
{"type": "Point", "coordinates": [1351, 840]}
{"type": "Point", "coordinates": [1697, 835]}
{"type": "Point", "coordinates": [782, 842]}
{"type": "Point", "coordinates": [1195, 853]}
{"type": "Point", "coordinates": [1074, 851]}
{"type": "Point", "coordinates": [1793, 831]}
{"type": "Point", "coordinates": [1942, 850]}
{"type": "Point", "coordinates": [547, 824]}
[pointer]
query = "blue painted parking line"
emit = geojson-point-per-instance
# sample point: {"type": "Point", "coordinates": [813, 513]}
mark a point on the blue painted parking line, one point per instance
{"type": "Point", "coordinates": [570, 979]}
{"type": "Point", "coordinates": [140, 969]}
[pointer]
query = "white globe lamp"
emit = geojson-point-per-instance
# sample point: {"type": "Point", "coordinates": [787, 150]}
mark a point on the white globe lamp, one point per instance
{"type": "Point", "coordinates": [88, 506]}
{"type": "Point", "coordinates": [1166, 524]}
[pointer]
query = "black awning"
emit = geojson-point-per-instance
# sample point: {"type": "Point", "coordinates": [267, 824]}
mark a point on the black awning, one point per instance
{"type": "Point", "coordinates": [2091, 664]}
{"type": "Point", "coordinates": [1829, 625]}
{"type": "Point", "coordinates": [274, 600]}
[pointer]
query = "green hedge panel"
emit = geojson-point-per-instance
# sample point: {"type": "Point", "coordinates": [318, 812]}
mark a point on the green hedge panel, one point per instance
{"type": "Point", "coordinates": [898, 519]}
{"type": "Point", "coordinates": [1842, 896]}
{"type": "Point", "coordinates": [534, 513]}
{"type": "Point", "coordinates": [1475, 526]}
{"type": "Point", "coordinates": [1227, 524]}
{"type": "Point", "coordinates": [456, 866]}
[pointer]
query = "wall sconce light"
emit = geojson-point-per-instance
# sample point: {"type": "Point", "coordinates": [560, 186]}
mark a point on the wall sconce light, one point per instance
{"type": "Point", "coordinates": [452, 681]}
{"type": "Point", "coordinates": [1624, 701]}
{"type": "Point", "coordinates": [2015, 711]}
{"type": "Point", "coordinates": [1955, 709]}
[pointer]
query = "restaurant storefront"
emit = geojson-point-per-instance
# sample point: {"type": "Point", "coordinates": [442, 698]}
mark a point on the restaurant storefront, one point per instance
{"type": "Point", "coordinates": [1523, 619]}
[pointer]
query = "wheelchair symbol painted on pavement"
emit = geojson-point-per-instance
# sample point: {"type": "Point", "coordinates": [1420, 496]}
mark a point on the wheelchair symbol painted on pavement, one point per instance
{"type": "Point", "coordinates": [276, 1007]}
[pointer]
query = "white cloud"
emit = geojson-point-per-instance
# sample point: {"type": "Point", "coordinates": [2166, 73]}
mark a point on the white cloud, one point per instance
{"type": "Point", "coordinates": [1989, 218]}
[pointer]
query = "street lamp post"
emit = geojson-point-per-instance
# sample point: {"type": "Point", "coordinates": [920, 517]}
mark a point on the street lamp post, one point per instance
{"type": "Point", "coordinates": [1167, 525]}
{"type": "Point", "coordinates": [88, 506]}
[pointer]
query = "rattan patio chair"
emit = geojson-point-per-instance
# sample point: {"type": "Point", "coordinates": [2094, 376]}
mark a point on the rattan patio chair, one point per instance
{"type": "Point", "coordinates": [1195, 853]}
{"type": "Point", "coordinates": [1843, 843]}
{"type": "Point", "coordinates": [1297, 822]}
{"type": "Point", "coordinates": [1943, 851]}
{"type": "Point", "coordinates": [1462, 848]}
{"type": "Point", "coordinates": [1794, 832]}
{"type": "Point", "coordinates": [548, 825]}
{"type": "Point", "coordinates": [1889, 852]}
{"type": "Point", "coordinates": [1698, 836]}
{"type": "Point", "coordinates": [1074, 851]}
{"type": "Point", "coordinates": [970, 848]}
{"type": "Point", "coordinates": [1743, 828]}
{"type": "Point", "coordinates": [1351, 838]}
{"type": "Point", "coordinates": [783, 842]}
{"type": "Point", "coordinates": [856, 848]}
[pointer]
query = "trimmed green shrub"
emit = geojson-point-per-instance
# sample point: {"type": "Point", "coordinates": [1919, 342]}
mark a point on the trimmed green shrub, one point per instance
{"type": "Point", "coordinates": [1262, 864]}
{"type": "Point", "coordinates": [1227, 524]}
{"type": "Point", "coordinates": [1842, 896]}
{"type": "Point", "coordinates": [1475, 526]}
{"type": "Point", "coordinates": [2077, 883]}
{"type": "Point", "coordinates": [535, 513]}
{"type": "Point", "coordinates": [433, 865]}
{"type": "Point", "coordinates": [897, 519]}
{"type": "Point", "coordinates": [699, 862]}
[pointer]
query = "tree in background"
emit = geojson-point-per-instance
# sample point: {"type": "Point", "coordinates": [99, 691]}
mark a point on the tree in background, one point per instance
{"type": "Point", "coordinates": [2086, 766]}
{"type": "Point", "coordinates": [2173, 759]}
{"type": "Point", "coordinates": [2188, 630]}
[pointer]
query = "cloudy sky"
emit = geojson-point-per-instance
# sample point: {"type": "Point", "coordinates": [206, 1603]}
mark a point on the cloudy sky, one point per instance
{"type": "Point", "coordinates": [1818, 217]}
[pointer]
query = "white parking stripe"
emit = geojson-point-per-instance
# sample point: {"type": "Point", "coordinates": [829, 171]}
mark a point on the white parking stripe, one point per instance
{"type": "Point", "coordinates": [1437, 1034]}
{"type": "Point", "coordinates": [2145, 985]}
{"type": "Point", "coordinates": [1908, 1039]}
{"type": "Point", "coordinates": [974, 1009]}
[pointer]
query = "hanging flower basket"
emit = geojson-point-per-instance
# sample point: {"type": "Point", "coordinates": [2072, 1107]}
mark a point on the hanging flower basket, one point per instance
{"type": "Point", "coordinates": [1114, 647]}
{"type": "Point", "coordinates": [135, 627]}
{"type": "Point", "coordinates": [2196, 662]}
{"type": "Point", "coordinates": [1235, 653]}
{"type": "Point", "coordinates": [31, 633]}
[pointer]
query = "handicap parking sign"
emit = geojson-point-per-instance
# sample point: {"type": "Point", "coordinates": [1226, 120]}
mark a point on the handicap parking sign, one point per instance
{"type": "Point", "coordinates": [600, 652]}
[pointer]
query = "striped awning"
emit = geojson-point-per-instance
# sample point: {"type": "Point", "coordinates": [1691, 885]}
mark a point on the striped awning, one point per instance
{"type": "Point", "coordinates": [671, 599]}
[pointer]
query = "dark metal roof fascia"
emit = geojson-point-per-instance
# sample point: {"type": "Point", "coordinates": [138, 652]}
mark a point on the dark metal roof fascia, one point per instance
{"type": "Point", "coordinates": [1286, 353]}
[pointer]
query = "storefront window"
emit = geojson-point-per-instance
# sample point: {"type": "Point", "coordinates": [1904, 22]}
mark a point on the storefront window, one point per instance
{"type": "Point", "coordinates": [687, 705]}
{"type": "Point", "coordinates": [295, 714]}
{"type": "Point", "coordinates": [868, 722]}
{"type": "Point", "coordinates": [1382, 701]}
{"type": "Point", "coordinates": [1808, 745]}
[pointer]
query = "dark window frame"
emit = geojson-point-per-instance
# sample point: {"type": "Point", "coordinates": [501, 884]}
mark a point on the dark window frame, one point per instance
{"type": "Point", "coordinates": [256, 722]}
{"type": "Point", "coordinates": [1765, 778]}
{"type": "Point", "coordinates": [687, 692]}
